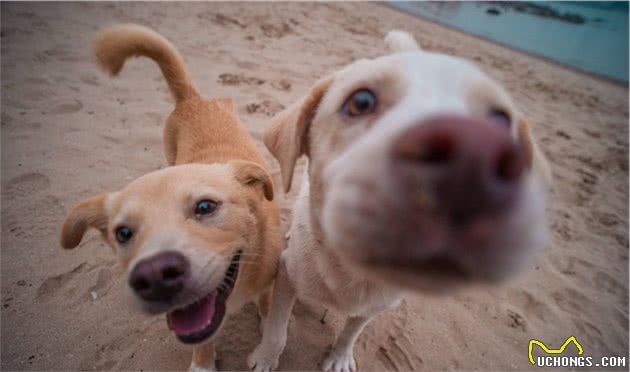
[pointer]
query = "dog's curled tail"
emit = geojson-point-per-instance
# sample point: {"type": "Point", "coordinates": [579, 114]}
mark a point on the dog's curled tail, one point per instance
{"type": "Point", "coordinates": [114, 45]}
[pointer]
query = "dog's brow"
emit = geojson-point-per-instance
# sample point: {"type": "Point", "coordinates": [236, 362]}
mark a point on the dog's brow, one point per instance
{"type": "Point", "coordinates": [490, 93]}
{"type": "Point", "coordinates": [206, 193]}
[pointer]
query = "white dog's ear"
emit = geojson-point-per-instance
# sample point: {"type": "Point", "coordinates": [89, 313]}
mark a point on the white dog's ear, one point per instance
{"type": "Point", "coordinates": [286, 138]}
{"type": "Point", "coordinates": [535, 158]}
{"type": "Point", "coordinates": [86, 214]}
{"type": "Point", "coordinates": [400, 41]}
{"type": "Point", "coordinates": [251, 174]}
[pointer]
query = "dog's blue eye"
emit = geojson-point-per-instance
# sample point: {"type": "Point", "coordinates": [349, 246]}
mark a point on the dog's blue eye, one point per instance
{"type": "Point", "coordinates": [500, 117]}
{"type": "Point", "coordinates": [205, 207]}
{"type": "Point", "coordinates": [361, 102]}
{"type": "Point", "coordinates": [123, 234]}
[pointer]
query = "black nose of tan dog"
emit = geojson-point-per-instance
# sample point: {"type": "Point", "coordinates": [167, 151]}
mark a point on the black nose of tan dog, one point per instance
{"type": "Point", "coordinates": [470, 166]}
{"type": "Point", "coordinates": [160, 277]}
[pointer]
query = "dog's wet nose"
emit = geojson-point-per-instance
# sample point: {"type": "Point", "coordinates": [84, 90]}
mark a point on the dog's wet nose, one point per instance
{"type": "Point", "coordinates": [160, 277]}
{"type": "Point", "coordinates": [469, 166]}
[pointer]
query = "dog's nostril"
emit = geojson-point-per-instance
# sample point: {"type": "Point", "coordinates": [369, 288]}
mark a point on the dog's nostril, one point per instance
{"type": "Point", "coordinates": [140, 284]}
{"type": "Point", "coordinates": [509, 166]}
{"type": "Point", "coordinates": [171, 273]}
{"type": "Point", "coordinates": [438, 149]}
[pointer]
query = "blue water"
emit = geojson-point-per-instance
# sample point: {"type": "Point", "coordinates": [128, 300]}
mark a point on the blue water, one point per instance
{"type": "Point", "coordinates": [591, 36]}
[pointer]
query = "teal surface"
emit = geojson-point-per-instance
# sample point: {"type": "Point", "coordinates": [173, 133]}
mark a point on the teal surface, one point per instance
{"type": "Point", "coordinates": [591, 36]}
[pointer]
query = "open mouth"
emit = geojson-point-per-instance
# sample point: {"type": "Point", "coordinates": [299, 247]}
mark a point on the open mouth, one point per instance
{"type": "Point", "coordinates": [198, 321]}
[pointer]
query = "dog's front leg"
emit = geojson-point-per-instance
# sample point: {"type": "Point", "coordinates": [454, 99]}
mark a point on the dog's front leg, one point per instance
{"type": "Point", "coordinates": [265, 356]}
{"type": "Point", "coordinates": [203, 358]}
{"type": "Point", "coordinates": [341, 358]}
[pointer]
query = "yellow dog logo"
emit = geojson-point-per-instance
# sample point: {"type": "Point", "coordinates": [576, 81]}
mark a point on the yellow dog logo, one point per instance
{"type": "Point", "coordinates": [553, 351]}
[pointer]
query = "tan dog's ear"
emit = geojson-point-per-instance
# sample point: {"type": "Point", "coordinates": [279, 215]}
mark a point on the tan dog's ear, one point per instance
{"type": "Point", "coordinates": [535, 157]}
{"type": "Point", "coordinates": [400, 41]}
{"type": "Point", "coordinates": [252, 174]}
{"type": "Point", "coordinates": [286, 138]}
{"type": "Point", "coordinates": [88, 213]}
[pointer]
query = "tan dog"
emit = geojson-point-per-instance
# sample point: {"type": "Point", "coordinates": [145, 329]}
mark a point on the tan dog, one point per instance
{"type": "Point", "coordinates": [422, 176]}
{"type": "Point", "coordinates": [198, 239]}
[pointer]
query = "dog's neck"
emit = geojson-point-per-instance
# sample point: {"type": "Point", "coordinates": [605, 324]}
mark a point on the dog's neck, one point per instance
{"type": "Point", "coordinates": [212, 133]}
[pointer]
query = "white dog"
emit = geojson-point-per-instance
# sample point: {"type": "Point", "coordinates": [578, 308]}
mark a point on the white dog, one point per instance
{"type": "Point", "coordinates": [421, 176]}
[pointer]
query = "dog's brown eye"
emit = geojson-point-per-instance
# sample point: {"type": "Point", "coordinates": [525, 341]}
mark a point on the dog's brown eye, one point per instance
{"type": "Point", "coordinates": [500, 117]}
{"type": "Point", "coordinates": [205, 207]}
{"type": "Point", "coordinates": [361, 102]}
{"type": "Point", "coordinates": [123, 234]}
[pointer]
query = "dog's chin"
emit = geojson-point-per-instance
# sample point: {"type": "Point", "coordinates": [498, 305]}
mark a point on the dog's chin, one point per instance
{"type": "Point", "coordinates": [197, 321]}
{"type": "Point", "coordinates": [430, 256]}
{"type": "Point", "coordinates": [437, 275]}
{"type": "Point", "coordinates": [432, 275]}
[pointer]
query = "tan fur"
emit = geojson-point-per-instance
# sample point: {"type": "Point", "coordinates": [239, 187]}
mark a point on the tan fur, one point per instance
{"type": "Point", "coordinates": [286, 138]}
{"type": "Point", "coordinates": [534, 154]}
{"type": "Point", "coordinates": [88, 213]}
{"type": "Point", "coordinates": [213, 155]}
{"type": "Point", "coordinates": [116, 44]}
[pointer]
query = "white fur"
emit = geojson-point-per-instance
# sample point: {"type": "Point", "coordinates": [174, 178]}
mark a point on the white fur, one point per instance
{"type": "Point", "coordinates": [345, 155]}
{"type": "Point", "coordinates": [400, 41]}
{"type": "Point", "coordinates": [195, 368]}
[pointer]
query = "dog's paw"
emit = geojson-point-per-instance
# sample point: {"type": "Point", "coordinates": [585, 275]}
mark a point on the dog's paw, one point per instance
{"type": "Point", "coordinates": [339, 362]}
{"type": "Point", "coordinates": [196, 368]}
{"type": "Point", "coordinates": [264, 358]}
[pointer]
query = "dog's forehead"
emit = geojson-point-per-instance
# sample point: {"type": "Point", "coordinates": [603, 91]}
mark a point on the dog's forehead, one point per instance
{"type": "Point", "coordinates": [414, 68]}
{"type": "Point", "coordinates": [176, 182]}
{"type": "Point", "coordinates": [435, 65]}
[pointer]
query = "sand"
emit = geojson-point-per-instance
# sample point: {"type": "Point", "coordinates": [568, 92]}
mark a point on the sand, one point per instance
{"type": "Point", "coordinates": [69, 132]}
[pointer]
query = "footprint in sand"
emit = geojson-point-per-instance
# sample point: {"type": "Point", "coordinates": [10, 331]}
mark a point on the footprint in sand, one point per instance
{"type": "Point", "coordinates": [528, 304]}
{"type": "Point", "coordinates": [276, 31]}
{"type": "Point", "coordinates": [40, 224]}
{"type": "Point", "coordinates": [232, 79]}
{"type": "Point", "coordinates": [25, 190]}
{"type": "Point", "coordinates": [608, 283]}
{"type": "Point", "coordinates": [570, 300]}
{"type": "Point", "coordinates": [102, 275]}
{"type": "Point", "coordinates": [516, 320]}
{"type": "Point", "coordinates": [265, 107]}
{"type": "Point", "coordinates": [26, 184]}
{"type": "Point", "coordinates": [282, 85]}
{"type": "Point", "coordinates": [587, 331]}
{"type": "Point", "coordinates": [67, 108]}
{"type": "Point", "coordinates": [221, 19]}
{"type": "Point", "coordinates": [49, 288]}
{"type": "Point", "coordinates": [395, 355]}
{"type": "Point", "coordinates": [104, 282]}
{"type": "Point", "coordinates": [89, 79]}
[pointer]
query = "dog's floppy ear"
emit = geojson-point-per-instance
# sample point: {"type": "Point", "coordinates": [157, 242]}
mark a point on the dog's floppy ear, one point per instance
{"type": "Point", "coordinates": [535, 157]}
{"type": "Point", "coordinates": [251, 174]}
{"type": "Point", "coordinates": [88, 213]}
{"type": "Point", "coordinates": [400, 41]}
{"type": "Point", "coordinates": [286, 138]}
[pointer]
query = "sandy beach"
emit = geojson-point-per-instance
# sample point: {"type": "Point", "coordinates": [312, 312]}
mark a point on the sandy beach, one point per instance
{"type": "Point", "coordinates": [69, 131]}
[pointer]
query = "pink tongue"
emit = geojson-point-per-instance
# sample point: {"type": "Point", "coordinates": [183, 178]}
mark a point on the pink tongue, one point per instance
{"type": "Point", "coordinates": [193, 318]}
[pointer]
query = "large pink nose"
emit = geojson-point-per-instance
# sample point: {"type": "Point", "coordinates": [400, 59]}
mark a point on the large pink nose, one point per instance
{"type": "Point", "coordinates": [470, 167]}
